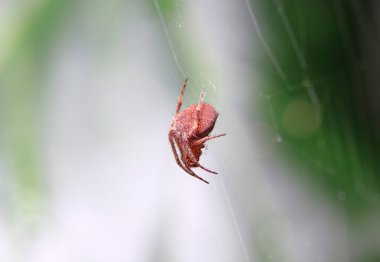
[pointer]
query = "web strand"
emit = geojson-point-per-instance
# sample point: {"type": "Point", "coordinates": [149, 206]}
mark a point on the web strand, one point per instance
{"type": "Point", "coordinates": [172, 50]}
{"type": "Point", "coordinates": [265, 44]}
{"type": "Point", "coordinates": [235, 221]}
{"type": "Point", "coordinates": [297, 49]}
{"type": "Point", "coordinates": [299, 53]}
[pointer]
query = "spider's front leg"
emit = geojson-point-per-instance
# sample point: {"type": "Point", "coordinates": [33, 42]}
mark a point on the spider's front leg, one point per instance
{"type": "Point", "coordinates": [198, 110]}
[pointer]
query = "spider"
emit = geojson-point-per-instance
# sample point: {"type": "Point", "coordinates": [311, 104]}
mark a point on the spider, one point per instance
{"type": "Point", "coordinates": [189, 130]}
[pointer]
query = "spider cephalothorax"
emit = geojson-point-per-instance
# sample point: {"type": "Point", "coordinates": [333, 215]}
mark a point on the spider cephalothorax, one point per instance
{"type": "Point", "coordinates": [189, 131]}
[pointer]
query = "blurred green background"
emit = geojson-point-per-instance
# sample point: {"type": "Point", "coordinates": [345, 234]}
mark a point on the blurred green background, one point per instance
{"type": "Point", "coordinates": [88, 89]}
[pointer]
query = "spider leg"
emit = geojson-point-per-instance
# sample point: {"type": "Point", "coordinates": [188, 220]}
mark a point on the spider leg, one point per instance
{"type": "Point", "coordinates": [202, 140]}
{"type": "Point", "coordinates": [172, 143]}
{"type": "Point", "coordinates": [179, 103]}
{"type": "Point", "coordinates": [199, 106]}
{"type": "Point", "coordinates": [187, 168]}
{"type": "Point", "coordinates": [194, 175]}
{"type": "Point", "coordinates": [185, 162]}
{"type": "Point", "coordinates": [194, 160]}
{"type": "Point", "coordinates": [208, 170]}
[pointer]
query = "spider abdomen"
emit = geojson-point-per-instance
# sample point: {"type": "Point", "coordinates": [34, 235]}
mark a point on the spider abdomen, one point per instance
{"type": "Point", "coordinates": [206, 121]}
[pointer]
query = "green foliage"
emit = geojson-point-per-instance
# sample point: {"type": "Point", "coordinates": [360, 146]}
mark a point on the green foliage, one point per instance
{"type": "Point", "coordinates": [322, 111]}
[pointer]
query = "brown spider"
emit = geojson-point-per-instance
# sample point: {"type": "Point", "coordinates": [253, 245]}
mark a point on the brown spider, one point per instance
{"type": "Point", "coordinates": [189, 130]}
